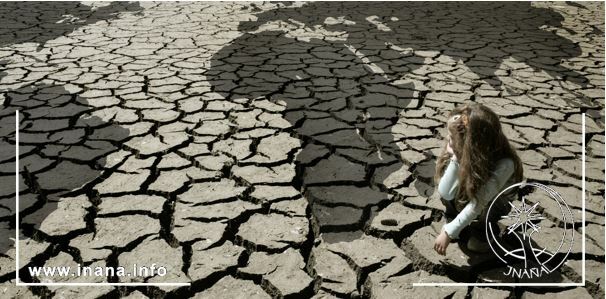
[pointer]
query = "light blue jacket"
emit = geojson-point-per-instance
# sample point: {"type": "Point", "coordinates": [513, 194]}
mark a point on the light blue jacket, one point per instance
{"type": "Point", "coordinates": [449, 185]}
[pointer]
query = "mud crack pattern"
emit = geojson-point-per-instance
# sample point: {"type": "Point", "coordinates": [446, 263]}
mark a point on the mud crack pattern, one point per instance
{"type": "Point", "coordinates": [283, 150]}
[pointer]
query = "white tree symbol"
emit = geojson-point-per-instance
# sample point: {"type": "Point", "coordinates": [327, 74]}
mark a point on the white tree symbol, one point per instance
{"type": "Point", "coordinates": [524, 218]}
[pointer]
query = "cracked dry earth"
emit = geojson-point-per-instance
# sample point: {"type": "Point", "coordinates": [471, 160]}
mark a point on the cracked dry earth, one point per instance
{"type": "Point", "coordinates": [284, 149]}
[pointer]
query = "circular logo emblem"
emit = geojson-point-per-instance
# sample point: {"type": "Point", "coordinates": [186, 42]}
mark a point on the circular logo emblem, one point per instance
{"type": "Point", "coordinates": [530, 244]}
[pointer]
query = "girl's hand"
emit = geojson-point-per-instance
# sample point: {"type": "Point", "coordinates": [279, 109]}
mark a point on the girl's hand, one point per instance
{"type": "Point", "coordinates": [450, 150]}
{"type": "Point", "coordinates": [441, 243]}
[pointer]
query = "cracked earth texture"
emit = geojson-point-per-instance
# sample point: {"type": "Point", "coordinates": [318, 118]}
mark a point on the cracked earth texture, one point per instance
{"type": "Point", "coordinates": [271, 150]}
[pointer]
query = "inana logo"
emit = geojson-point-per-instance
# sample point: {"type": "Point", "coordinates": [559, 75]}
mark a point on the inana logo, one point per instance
{"type": "Point", "coordinates": [529, 244]}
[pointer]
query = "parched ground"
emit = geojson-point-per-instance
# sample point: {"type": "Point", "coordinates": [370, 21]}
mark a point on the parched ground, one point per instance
{"type": "Point", "coordinates": [275, 149]}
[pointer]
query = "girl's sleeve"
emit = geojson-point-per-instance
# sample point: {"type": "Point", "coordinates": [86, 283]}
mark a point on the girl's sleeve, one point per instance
{"type": "Point", "coordinates": [449, 181]}
{"type": "Point", "coordinates": [485, 195]}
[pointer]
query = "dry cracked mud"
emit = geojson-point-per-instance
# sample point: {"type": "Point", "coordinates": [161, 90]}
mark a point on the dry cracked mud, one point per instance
{"type": "Point", "coordinates": [280, 149]}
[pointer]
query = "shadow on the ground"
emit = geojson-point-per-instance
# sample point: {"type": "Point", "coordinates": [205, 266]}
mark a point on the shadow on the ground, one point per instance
{"type": "Point", "coordinates": [343, 94]}
{"type": "Point", "coordinates": [39, 22]}
{"type": "Point", "coordinates": [63, 146]}
{"type": "Point", "coordinates": [63, 149]}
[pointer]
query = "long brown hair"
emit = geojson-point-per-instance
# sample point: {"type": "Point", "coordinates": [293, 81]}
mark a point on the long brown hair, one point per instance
{"type": "Point", "coordinates": [478, 142]}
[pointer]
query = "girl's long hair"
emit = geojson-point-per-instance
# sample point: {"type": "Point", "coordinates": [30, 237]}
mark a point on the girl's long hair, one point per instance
{"type": "Point", "coordinates": [478, 142]}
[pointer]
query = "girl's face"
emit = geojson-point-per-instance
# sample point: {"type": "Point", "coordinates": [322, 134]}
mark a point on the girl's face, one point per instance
{"type": "Point", "coordinates": [455, 124]}
{"type": "Point", "coordinates": [456, 131]}
{"type": "Point", "coordinates": [453, 119]}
